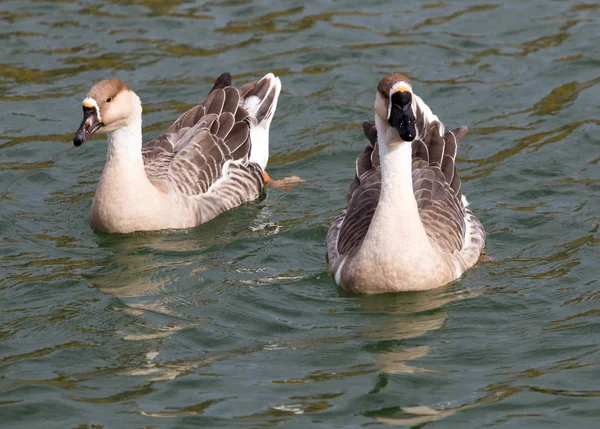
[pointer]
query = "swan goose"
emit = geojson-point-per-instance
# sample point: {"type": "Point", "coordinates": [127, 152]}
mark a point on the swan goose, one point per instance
{"type": "Point", "coordinates": [210, 160]}
{"type": "Point", "coordinates": [406, 226]}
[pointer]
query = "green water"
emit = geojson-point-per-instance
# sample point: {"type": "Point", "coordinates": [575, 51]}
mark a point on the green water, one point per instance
{"type": "Point", "coordinates": [237, 323]}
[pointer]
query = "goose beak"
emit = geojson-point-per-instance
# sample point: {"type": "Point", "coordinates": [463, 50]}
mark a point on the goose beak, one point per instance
{"type": "Point", "coordinates": [401, 115]}
{"type": "Point", "coordinates": [88, 126]}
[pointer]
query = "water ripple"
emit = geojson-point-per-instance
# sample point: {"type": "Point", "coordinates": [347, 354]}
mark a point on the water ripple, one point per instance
{"type": "Point", "coordinates": [238, 323]}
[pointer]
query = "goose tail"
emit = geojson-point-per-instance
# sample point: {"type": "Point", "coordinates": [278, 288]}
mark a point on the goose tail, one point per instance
{"type": "Point", "coordinates": [260, 101]}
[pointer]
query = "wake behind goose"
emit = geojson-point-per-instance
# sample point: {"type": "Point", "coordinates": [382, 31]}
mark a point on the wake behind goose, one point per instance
{"type": "Point", "coordinates": [406, 226]}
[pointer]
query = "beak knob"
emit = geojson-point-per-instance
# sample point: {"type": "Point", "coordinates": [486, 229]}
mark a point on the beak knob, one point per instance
{"type": "Point", "coordinates": [401, 115]}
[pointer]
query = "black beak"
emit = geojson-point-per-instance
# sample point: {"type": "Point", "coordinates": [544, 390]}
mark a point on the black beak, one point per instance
{"type": "Point", "coordinates": [88, 126]}
{"type": "Point", "coordinates": [402, 116]}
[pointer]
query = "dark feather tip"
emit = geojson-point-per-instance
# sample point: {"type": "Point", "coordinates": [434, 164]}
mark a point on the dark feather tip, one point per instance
{"type": "Point", "coordinates": [222, 81]}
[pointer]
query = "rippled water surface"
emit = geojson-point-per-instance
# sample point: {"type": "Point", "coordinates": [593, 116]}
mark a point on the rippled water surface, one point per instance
{"type": "Point", "coordinates": [238, 323]}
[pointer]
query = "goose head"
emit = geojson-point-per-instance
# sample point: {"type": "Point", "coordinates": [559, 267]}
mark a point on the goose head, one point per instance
{"type": "Point", "coordinates": [109, 105]}
{"type": "Point", "coordinates": [393, 105]}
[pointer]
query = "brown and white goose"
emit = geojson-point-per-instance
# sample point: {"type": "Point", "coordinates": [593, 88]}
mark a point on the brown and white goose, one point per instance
{"type": "Point", "coordinates": [406, 226]}
{"type": "Point", "coordinates": [210, 160]}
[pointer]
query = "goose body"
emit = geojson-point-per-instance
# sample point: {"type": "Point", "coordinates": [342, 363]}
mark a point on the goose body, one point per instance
{"type": "Point", "coordinates": [210, 160]}
{"type": "Point", "coordinates": [406, 226]}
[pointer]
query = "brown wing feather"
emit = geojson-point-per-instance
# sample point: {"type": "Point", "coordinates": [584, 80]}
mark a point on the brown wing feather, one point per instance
{"type": "Point", "coordinates": [350, 227]}
{"type": "Point", "coordinates": [190, 155]}
{"type": "Point", "coordinates": [243, 180]}
{"type": "Point", "coordinates": [360, 211]}
{"type": "Point", "coordinates": [222, 81]}
{"type": "Point", "coordinates": [437, 188]}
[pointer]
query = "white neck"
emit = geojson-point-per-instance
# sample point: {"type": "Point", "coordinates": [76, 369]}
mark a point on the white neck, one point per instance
{"type": "Point", "coordinates": [124, 173]}
{"type": "Point", "coordinates": [396, 222]}
{"type": "Point", "coordinates": [125, 198]}
{"type": "Point", "coordinates": [125, 144]}
{"type": "Point", "coordinates": [396, 164]}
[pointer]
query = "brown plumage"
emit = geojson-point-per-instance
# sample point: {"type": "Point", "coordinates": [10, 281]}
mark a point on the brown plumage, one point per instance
{"type": "Point", "coordinates": [199, 167]}
{"type": "Point", "coordinates": [192, 152]}
{"type": "Point", "coordinates": [452, 230]}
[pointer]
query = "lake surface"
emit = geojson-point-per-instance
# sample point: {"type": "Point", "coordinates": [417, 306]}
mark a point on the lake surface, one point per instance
{"type": "Point", "coordinates": [237, 323]}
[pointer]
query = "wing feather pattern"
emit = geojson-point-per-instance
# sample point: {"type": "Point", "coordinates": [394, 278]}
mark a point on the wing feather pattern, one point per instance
{"type": "Point", "coordinates": [350, 227]}
{"type": "Point", "coordinates": [190, 156]}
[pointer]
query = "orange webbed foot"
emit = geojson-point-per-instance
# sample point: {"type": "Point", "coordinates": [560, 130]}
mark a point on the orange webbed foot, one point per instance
{"type": "Point", "coordinates": [485, 258]}
{"type": "Point", "coordinates": [283, 184]}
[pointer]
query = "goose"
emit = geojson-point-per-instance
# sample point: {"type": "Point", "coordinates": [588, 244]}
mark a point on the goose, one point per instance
{"type": "Point", "coordinates": [406, 226]}
{"type": "Point", "coordinates": [210, 160]}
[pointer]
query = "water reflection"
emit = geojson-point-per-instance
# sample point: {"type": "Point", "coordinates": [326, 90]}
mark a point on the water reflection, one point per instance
{"type": "Point", "coordinates": [419, 415]}
{"type": "Point", "coordinates": [385, 323]}
{"type": "Point", "coordinates": [145, 271]}
{"type": "Point", "coordinates": [405, 316]}
{"type": "Point", "coordinates": [149, 261]}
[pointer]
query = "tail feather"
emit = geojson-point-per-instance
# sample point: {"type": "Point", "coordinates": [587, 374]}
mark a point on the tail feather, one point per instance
{"type": "Point", "coordinates": [260, 101]}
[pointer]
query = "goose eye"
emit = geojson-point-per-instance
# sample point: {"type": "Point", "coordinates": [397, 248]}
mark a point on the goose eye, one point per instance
{"type": "Point", "coordinates": [109, 99]}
